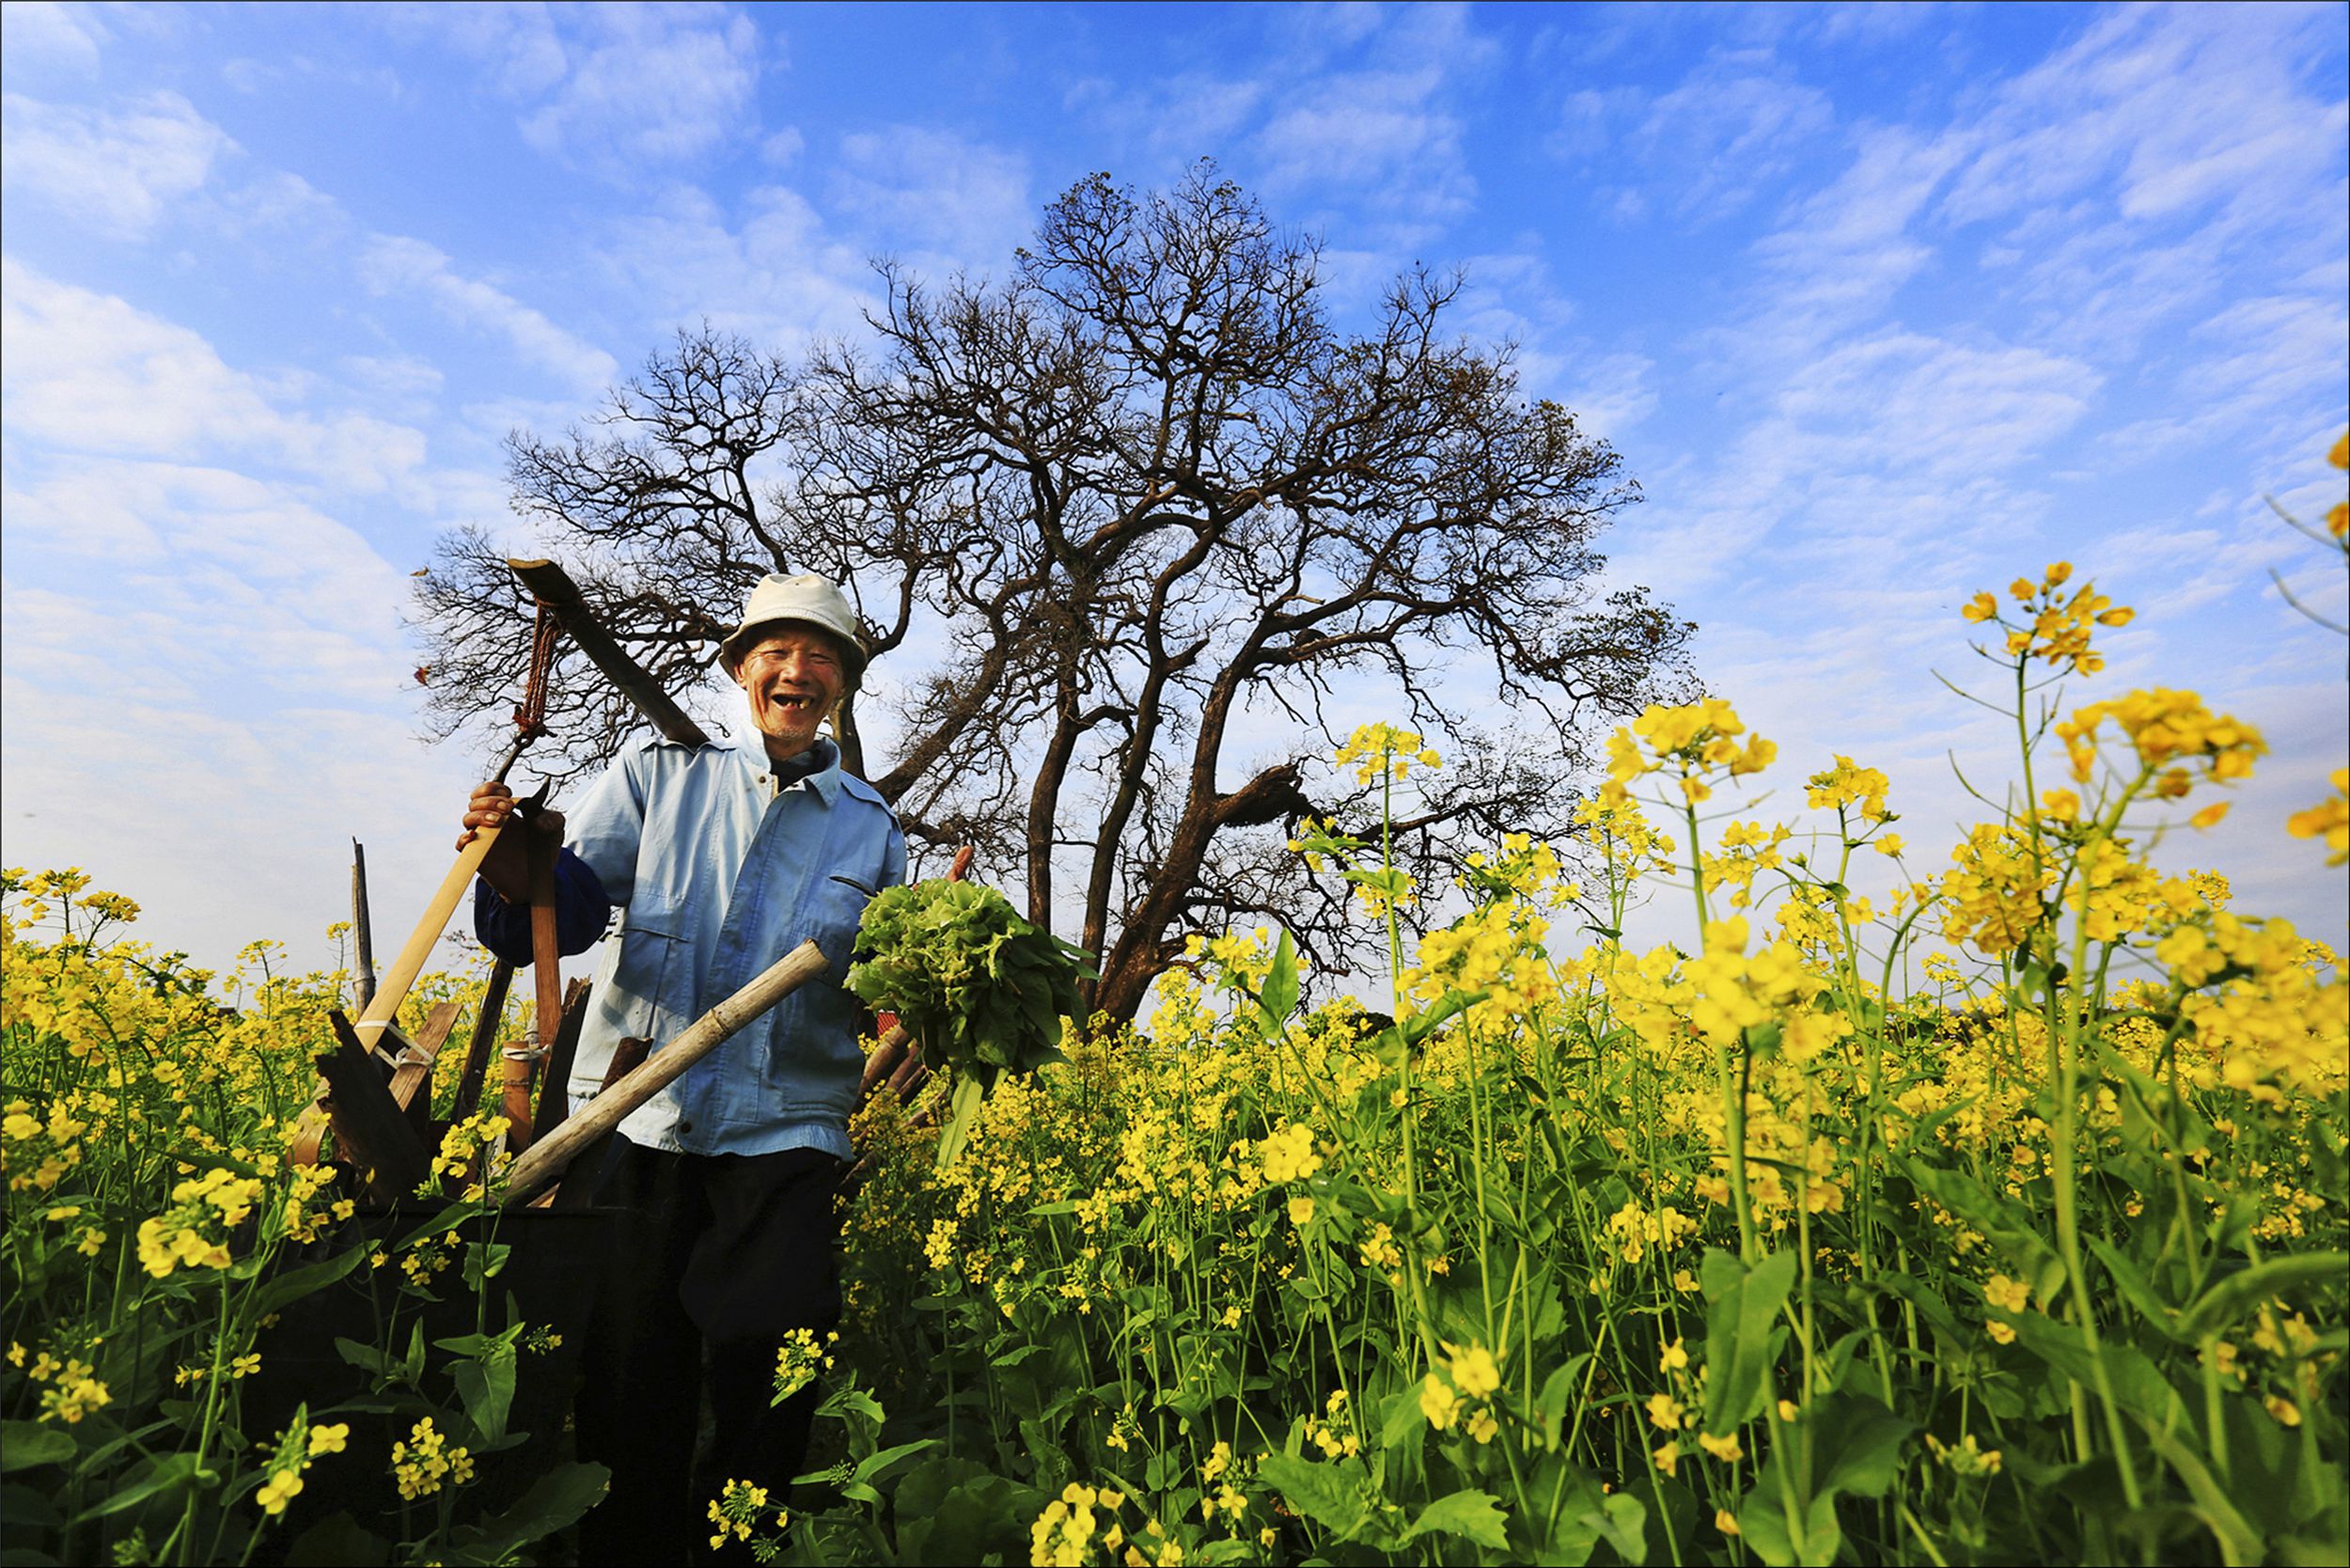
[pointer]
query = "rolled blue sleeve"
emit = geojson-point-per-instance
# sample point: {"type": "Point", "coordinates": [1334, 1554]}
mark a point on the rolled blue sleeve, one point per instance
{"type": "Point", "coordinates": [582, 909]}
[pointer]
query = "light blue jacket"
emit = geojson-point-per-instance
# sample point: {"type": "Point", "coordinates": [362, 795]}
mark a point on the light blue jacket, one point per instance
{"type": "Point", "coordinates": [718, 873]}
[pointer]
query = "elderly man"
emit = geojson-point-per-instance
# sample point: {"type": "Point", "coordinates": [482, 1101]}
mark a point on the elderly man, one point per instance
{"type": "Point", "coordinates": [722, 859]}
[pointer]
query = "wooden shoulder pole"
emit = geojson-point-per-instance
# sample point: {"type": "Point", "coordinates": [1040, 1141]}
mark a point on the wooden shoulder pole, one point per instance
{"type": "Point", "coordinates": [547, 1160]}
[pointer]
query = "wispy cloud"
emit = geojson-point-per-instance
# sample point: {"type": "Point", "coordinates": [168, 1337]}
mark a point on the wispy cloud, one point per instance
{"type": "Point", "coordinates": [50, 32]}
{"type": "Point", "coordinates": [614, 87]}
{"type": "Point", "coordinates": [117, 170]}
{"type": "Point", "coordinates": [1729, 133]}
{"type": "Point", "coordinates": [252, 582]}
{"type": "Point", "coordinates": [966, 203]}
{"type": "Point", "coordinates": [390, 263]}
{"type": "Point", "coordinates": [769, 268]}
{"type": "Point", "coordinates": [90, 372]}
{"type": "Point", "coordinates": [1354, 108]}
{"type": "Point", "coordinates": [1382, 127]}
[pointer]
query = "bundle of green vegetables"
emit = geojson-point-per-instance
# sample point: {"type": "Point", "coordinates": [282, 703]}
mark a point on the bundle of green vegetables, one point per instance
{"type": "Point", "coordinates": [983, 990]}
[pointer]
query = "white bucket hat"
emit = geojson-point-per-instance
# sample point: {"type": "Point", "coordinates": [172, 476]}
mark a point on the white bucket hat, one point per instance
{"type": "Point", "coordinates": [808, 599]}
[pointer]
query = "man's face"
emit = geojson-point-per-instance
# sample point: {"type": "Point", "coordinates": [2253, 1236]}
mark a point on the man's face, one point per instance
{"type": "Point", "coordinates": [792, 675]}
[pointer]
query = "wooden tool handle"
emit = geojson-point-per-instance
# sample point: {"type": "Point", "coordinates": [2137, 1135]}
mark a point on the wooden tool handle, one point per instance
{"type": "Point", "coordinates": [392, 988]}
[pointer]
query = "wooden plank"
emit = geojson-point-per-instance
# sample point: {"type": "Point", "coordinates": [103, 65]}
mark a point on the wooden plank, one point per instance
{"type": "Point", "coordinates": [371, 1130]}
{"type": "Point", "coordinates": [377, 1017]}
{"type": "Point", "coordinates": [544, 1165]}
{"type": "Point", "coordinates": [553, 587]}
{"type": "Point", "coordinates": [410, 1084]}
{"type": "Point", "coordinates": [485, 1032]}
{"type": "Point", "coordinates": [553, 1094]}
{"type": "Point", "coordinates": [361, 930]}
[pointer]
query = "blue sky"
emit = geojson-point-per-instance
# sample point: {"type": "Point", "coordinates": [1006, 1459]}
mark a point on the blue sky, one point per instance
{"type": "Point", "coordinates": [1882, 306]}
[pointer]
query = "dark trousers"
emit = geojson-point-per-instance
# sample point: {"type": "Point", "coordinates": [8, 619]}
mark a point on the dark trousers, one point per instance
{"type": "Point", "coordinates": [719, 1256]}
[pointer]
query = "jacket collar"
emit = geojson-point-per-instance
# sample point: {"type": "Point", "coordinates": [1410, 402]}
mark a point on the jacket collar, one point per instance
{"type": "Point", "coordinates": [824, 778]}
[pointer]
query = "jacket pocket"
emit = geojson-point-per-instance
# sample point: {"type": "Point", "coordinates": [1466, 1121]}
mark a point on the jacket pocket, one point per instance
{"type": "Point", "coordinates": [653, 975]}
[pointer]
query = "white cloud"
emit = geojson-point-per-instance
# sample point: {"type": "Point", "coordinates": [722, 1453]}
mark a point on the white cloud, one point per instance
{"type": "Point", "coordinates": [90, 372]}
{"type": "Point", "coordinates": [965, 202]}
{"type": "Point", "coordinates": [1727, 133]}
{"type": "Point", "coordinates": [1610, 393]}
{"type": "Point", "coordinates": [401, 379]}
{"type": "Point", "coordinates": [783, 146]}
{"type": "Point", "coordinates": [660, 84]}
{"type": "Point", "coordinates": [1935, 408]}
{"type": "Point", "coordinates": [282, 204]}
{"type": "Point", "coordinates": [1353, 104]}
{"type": "Point", "coordinates": [2156, 110]}
{"type": "Point", "coordinates": [103, 764]}
{"type": "Point", "coordinates": [1841, 255]}
{"type": "Point", "coordinates": [613, 86]}
{"type": "Point", "coordinates": [119, 171]}
{"type": "Point", "coordinates": [247, 571]}
{"type": "Point", "coordinates": [390, 263]}
{"type": "Point", "coordinates": [1383, 131]}
{"type": "Point", "coordinates": [1189, 114]}
{"type": "Point", "coordinates": [1589, 120]}
{"type": "Point", "coordinates": [266, 652]}
{"type": "Point", "coordinates": [517, 45]}
{"type": "Point", "coordinates": [43, 29]}
{"type": "Point", "coordinates": [770, 270]}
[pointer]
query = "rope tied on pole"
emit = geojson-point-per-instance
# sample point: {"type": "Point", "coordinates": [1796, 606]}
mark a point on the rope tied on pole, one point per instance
{"type": "Point", "coordinates": [530, 714]}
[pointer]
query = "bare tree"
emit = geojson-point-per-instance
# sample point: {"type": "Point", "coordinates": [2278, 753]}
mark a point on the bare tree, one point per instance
{"type": "Point", "coordinates": [1146, 502]}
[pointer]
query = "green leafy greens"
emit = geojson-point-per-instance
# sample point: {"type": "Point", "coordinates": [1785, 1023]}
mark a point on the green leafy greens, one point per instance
{"type": "Point", "coordinates": [983, 990]}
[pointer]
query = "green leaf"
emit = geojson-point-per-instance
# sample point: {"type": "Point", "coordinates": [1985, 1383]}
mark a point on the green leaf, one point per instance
{"type": "Point", "coordinates": [2238, 1541]}
{"type": "Point", "coordinates": [23, 1507]}
{"type": "Point", "coordinates": [952, 1512]}
{"type": "Point", "coordinates": [849, 1401]}
{"type": "Point", "coordinates": [1402, 1419]}
{"type": "Point", "coordinates": [1762, 1526]}
{"type": "Point", "coordinates": [175, 1473]}
{"type": "Point", "coordinates": [366, 1357]}
{"type": "Point", "coordinates": [1392, 1045]}
{"type": "Point", "coordinates": [879, 1465]}
{"type": "Point", "coordinates": [26, 1444]}
{"type": "Point", "coordinates": [1625, 1521]}
{"type": "Point", "coordinates": [2217, 1306]}
{"type": "Point", "coordinates": [1742, 1304]}
{"type": "Point", "coordinates": [1279, 999]}
{"type": "Point", "coordinates": [2004, 1223]}
{"type": "Point", "coordinates": [964, 1112]}
{"type": "Point", "coordinates": [2135, 1287]}
{"type": "Point", "coordinates": [485, 1385]}
{"type": "Point", "coordinates": [1329, 1495]}
{"type": "Point", "coordinates": [1858, 1443]}
{"type": "Point", "coordinates": [556, 1501]}
{"type": "Point", "coordinates": [2137, 1383]}
{"type": "Point", "coordinates": [295, 1283]}
{"type": "Point", "coordinates": [1550, 1405]}
{"type": "Point", "coordinates": [1472, 1515]}
{"type": "Point", "coordinates": [338, 1541]}
{"type": "Point", "coordinates": [483, 1262]}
